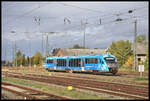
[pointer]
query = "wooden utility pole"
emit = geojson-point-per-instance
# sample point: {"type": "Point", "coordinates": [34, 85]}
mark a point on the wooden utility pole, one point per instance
{"type": "Point", "coordinates": [15, 55]}
{"type": "Point", "coordinates": [5, 56]}
{"type": "Point", "coordinates": [84, 27]}
{"type": "Point", "coordinates": [47, 45]}
{"type": "Point", "coordinates": [42, 50]}
{"type": "Point", "coordinates": [12, 54]}
{"type": "Point", "coordinates": [84, 35]}
{"type": "Point", "coordinates": [135, 45]}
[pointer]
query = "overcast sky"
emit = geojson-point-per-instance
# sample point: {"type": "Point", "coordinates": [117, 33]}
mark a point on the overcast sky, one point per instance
{"type": "Point", "coordinates": [23, 19]}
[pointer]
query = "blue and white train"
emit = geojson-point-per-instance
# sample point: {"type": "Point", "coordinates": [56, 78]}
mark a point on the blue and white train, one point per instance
{"type": "Point", "coordinates": [97, 63]}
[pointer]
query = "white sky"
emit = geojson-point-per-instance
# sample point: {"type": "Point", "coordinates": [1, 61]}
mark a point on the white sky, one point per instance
{"type": "Point", "coordinates": [20, 17]}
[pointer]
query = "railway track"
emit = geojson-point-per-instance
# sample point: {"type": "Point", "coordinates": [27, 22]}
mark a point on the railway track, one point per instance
{"type": "Point", "coordinates": [31, 93]}
{"type": "Point", "coordinates": [95, 78]}
{"type": "Point", "coordinates": [92, 78]}
{"type": "Point", "coordinates": [127, 91]}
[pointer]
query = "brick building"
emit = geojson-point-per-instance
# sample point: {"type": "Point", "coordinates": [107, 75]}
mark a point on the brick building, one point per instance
{"type": "Point", "coordinates": [77, 52]}
{"type": "Point", "coordinates": [141, 52]}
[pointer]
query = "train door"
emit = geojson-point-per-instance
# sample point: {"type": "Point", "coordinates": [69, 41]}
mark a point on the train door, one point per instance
{"type": "Point", "coordinates": [82, 66]}
{"type": "Point", "coordinates": [96, 63]}
{"type": "Point", "coordinates": [101, 64]}
{"type": "Point", "coordinates": [55, 62]}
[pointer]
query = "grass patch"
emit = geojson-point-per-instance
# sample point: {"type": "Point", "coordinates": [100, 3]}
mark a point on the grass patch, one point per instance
{"type": "Point", "coordinates": [123, 69]}
{"type": "Point", "coordinates": [53, 89]}
{"type": "Point", "coordinates": [141, 79]}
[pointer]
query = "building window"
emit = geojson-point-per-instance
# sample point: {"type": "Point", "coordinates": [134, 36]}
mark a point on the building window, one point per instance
{"type": "Point", "coordinates": [139, 59]}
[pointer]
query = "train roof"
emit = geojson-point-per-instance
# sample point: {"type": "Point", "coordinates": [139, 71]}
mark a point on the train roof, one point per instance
{"type": "Point", "coordinates": [64, 57]}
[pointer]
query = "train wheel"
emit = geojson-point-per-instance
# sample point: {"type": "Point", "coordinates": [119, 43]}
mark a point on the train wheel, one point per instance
{"type": "Point", "coordinates": [110, 69]}
{"type": "Point", "coordinates": [95, 72]}
{"type": "Point", "coordinates": [70, 71]}
{"type": "Point", "coordinates": [114, 71]}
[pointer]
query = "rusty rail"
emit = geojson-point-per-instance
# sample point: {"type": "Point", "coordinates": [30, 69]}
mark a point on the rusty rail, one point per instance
{"type": "Point", "coordinates": [124, 90]}
{"type": "Point", "coordinates": [38, 92]}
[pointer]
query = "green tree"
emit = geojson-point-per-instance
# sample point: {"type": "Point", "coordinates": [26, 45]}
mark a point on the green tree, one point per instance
{"type": "Point", "coordinates": [19, 58]}
{"type": "Point", "coordinates": [76, 46]}
{"type": "Point", "coordinates": [146, 62]}
{"type": "Point", "coordinates": [122, 50]}
{"type": "Point", "coordinates": [129, 63]}
{"type": "Point", "coordinates": [32, 60]}
{"type": "Point", "coordinates": [23, 60]}
{"type": "Point", "coordinates": [28, 60]}
{"type": "Point", "coordinates": [37, 58]}
{"type": "Point", "coordinates": [141, 39]}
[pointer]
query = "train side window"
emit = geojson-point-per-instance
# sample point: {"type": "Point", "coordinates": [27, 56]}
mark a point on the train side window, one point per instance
{"type": "Point", "coordinates": [65, 62]}
{"type": "Point", "coordinates": [86, 61]}
{"type": "Point", "coordinates": [59, 62]}
{"type": "Point", "coordinates": [62, 63]}
{"type": "Point", "coordinates": [56, 62]}
{"type": "Point", "coordinates": [72, 62]}
{"type": "Point", "coordinates": [79, 62]}
{"type": "Point", "coordinates": [82, 62]}
{"type": "Point", "coordinates": [69, 63]}
{"type": "Point", "coordinates": [49, 61]}
{"type": "Point", "coordinates": [75, 62]}
{"type": "Point", "coordinates": [91, 61]}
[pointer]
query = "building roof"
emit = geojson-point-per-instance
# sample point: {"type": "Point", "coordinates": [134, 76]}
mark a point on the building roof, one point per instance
{"type": "Point", "coordinates": [80, 52]}
{"type": "Point", "coordinates": [141, 48]}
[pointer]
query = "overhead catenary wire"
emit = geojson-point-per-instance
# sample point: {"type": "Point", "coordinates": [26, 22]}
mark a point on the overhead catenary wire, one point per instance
{"type": "Point", "coordinates": [24, 14]}
{"type": "Point", "coordinates": [100, 19]}
{"type": "Point", "coordinates": [120, 14]}
{"type": "Point", "coordinates": [101, 16]}
{"type": "Point", "coordinates": [61, 17]}
{"type": "Point", "coordinates": [72, 6]}
{"type": "Point", "coordinates": [87, 9]}
{"type": "Point", "coordinates": [112, 21]}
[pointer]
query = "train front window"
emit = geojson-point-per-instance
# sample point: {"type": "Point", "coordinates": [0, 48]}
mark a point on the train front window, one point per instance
{"type": "Point", "coordinates": [110, 61]}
